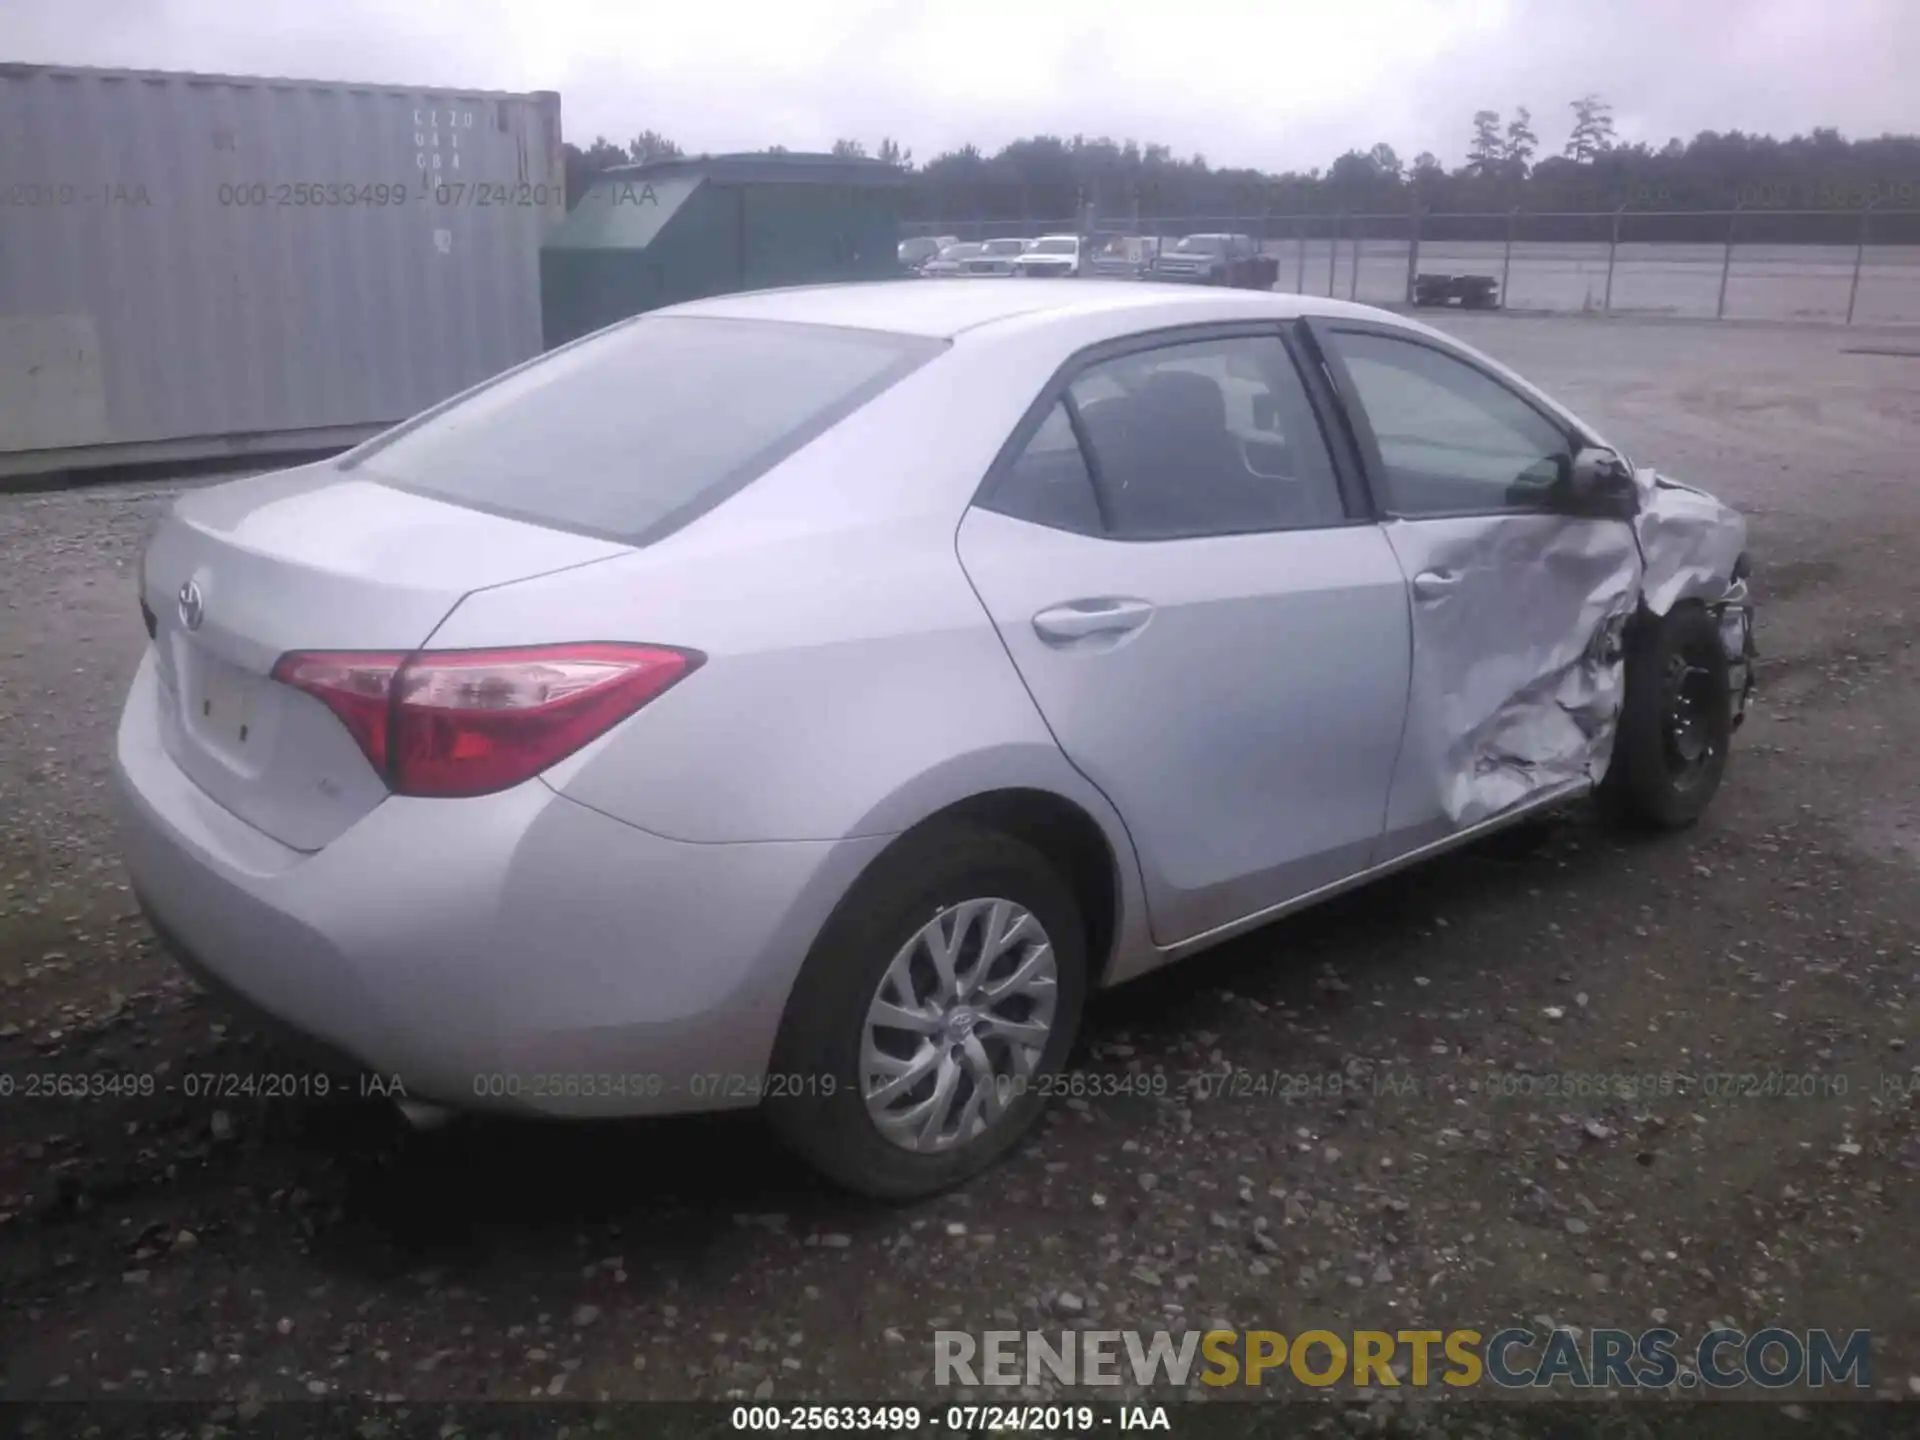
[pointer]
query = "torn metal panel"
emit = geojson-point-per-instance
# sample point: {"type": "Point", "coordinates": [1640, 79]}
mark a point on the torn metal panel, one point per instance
{"type": "Point", "coordinates": [1517, 682]}
{"type": "Point", "coordinates": [1689, 540]}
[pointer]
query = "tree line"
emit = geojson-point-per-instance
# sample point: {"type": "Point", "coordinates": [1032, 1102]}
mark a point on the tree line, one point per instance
{"type": "Point", "coordinates": [1046, 177]}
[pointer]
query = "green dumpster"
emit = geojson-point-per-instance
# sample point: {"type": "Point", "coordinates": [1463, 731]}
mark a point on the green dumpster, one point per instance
{"type": "Point", "coordinates": [671, 230]}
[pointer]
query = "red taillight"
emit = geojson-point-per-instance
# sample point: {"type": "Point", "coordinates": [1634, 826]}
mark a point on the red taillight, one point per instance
{"type": "Point", "coordinates": [470, 722]}
{"type": "Point", "coordinates": [356, 685]}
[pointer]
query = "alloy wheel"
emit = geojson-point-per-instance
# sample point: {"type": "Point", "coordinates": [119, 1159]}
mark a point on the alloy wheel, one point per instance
{"type": "Point", "coordinates": [958, 1025]}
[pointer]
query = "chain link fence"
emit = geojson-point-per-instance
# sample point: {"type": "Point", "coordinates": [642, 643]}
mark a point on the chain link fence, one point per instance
{"type": "Point", "coordinates": [1846, 266]}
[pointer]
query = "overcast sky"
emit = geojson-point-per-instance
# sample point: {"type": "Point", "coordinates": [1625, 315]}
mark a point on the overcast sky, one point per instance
{"type": "Point", "coordinates": [1276, 84]}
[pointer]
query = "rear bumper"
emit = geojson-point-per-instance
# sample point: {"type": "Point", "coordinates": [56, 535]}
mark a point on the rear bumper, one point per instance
{"type": "Point", "coordinates": [517, 952]}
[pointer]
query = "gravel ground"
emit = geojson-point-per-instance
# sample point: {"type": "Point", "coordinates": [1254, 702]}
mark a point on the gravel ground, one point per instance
{"type": "Point", "coordinates": [246, 1249]}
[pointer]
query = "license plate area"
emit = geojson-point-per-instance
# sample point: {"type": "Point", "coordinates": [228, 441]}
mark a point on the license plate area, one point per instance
{"type": "Point", "coordinates": [221, 705]}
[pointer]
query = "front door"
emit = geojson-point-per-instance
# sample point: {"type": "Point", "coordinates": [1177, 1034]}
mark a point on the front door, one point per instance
{"type": "Point", "coordinates": [1214, 636]}
{"type": "Point", "coordinates": [1518, 602]}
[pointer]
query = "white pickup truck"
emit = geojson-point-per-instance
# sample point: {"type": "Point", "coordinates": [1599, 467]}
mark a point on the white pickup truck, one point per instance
{"type": "Point", "coordinates": [1050, 255]}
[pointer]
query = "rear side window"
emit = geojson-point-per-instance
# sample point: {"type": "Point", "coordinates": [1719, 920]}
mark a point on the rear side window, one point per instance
{"type": "Point", "coordinates": [1049, 483]}
{"type": "Point", "coordinates": [1209, 437]}
{"type": "Point", "coordinates": [633, 433]}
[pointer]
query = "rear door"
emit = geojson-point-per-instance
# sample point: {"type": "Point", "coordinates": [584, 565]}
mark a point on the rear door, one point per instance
{"type": "Point", "coordinates": [1518, 601]}
{"type": "Point", "coordinates": [1213, 629]}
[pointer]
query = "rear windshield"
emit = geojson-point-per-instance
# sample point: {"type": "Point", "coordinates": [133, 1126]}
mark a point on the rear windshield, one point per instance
{"type": "Point", "coordinates": [632, 433]}
{"type": "Point", "coordinates": [1056, 247]}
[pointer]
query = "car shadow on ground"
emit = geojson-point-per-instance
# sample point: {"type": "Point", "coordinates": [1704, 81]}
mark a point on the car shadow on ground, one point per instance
{"type": "Point", "coordinates": [1371, 931]}
{"type": "Point", "coordinates": [354, 1187]}
{"type": "Point", "coordinates": [340, 1195]}
{"type": "Point", "coordinates": [477, 1182]}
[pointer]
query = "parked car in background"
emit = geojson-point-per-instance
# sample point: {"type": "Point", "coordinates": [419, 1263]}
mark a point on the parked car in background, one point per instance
{"type": "Point", "coordinates": [1470, 292]}
{"type": "Point", "coordinates": [624, 737]}
{"type": "Point", "coordinates": [996, 257]}
{"type": "Point", "coordinates": [1233, 260]}
{"type": "Point", "coordinates": [952, 260]}
{"type": "Point", "coordinates": [917, 250]}
{"type": "Point", "coordinates": [1052, 256]}
{"type": "Point", "coordinates": [1129, 256]}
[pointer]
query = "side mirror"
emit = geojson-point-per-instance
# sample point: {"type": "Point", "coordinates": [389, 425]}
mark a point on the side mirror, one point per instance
{"type": "Point", "coordinates": [1265, 416]}
{"type": "Point", "coordinates": [1601, 483]}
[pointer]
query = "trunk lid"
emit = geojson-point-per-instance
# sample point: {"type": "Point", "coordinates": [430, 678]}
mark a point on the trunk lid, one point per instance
{"type": "Point", "coordinates": [309, 559]}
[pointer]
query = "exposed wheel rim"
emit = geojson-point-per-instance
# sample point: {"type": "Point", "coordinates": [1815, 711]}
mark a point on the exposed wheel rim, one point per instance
{"type": "Point", "coordinates": [958, 1025]}
{"type": "Point", "coordinates": [1689, 736]}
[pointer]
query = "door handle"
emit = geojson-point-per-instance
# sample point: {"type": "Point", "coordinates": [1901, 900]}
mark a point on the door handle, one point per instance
{"type": "Point", "coordinates": [1433, 584]}
{"type": "Point", "coordinates": [1091, 617]}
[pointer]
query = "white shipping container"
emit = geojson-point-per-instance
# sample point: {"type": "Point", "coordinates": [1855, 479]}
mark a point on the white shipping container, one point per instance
{"type": "Point", "coordinates": [205, 265]}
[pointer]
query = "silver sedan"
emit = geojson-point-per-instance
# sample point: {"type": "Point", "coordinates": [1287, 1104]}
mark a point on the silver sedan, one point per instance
{"type": "Point", "coordinates": [807, 698]}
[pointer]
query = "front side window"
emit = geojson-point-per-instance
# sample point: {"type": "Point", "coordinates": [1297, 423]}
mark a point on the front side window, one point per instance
{"type": "Point", "coordinates": [1453, 440]}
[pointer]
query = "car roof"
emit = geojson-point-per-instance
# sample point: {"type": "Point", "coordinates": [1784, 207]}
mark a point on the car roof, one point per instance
{"type": "Point", "coordinates": [915, 307]}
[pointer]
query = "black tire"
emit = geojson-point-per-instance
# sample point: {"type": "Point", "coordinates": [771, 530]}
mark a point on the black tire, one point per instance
{"type": "Point", "coordinates": [821, 1033]}
{"type": "Point", "coordinates": [1666, 767]}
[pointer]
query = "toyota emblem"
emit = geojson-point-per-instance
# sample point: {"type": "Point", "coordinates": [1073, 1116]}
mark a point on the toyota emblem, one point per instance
{"type": "Point", "coordinates": [192, 609]}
